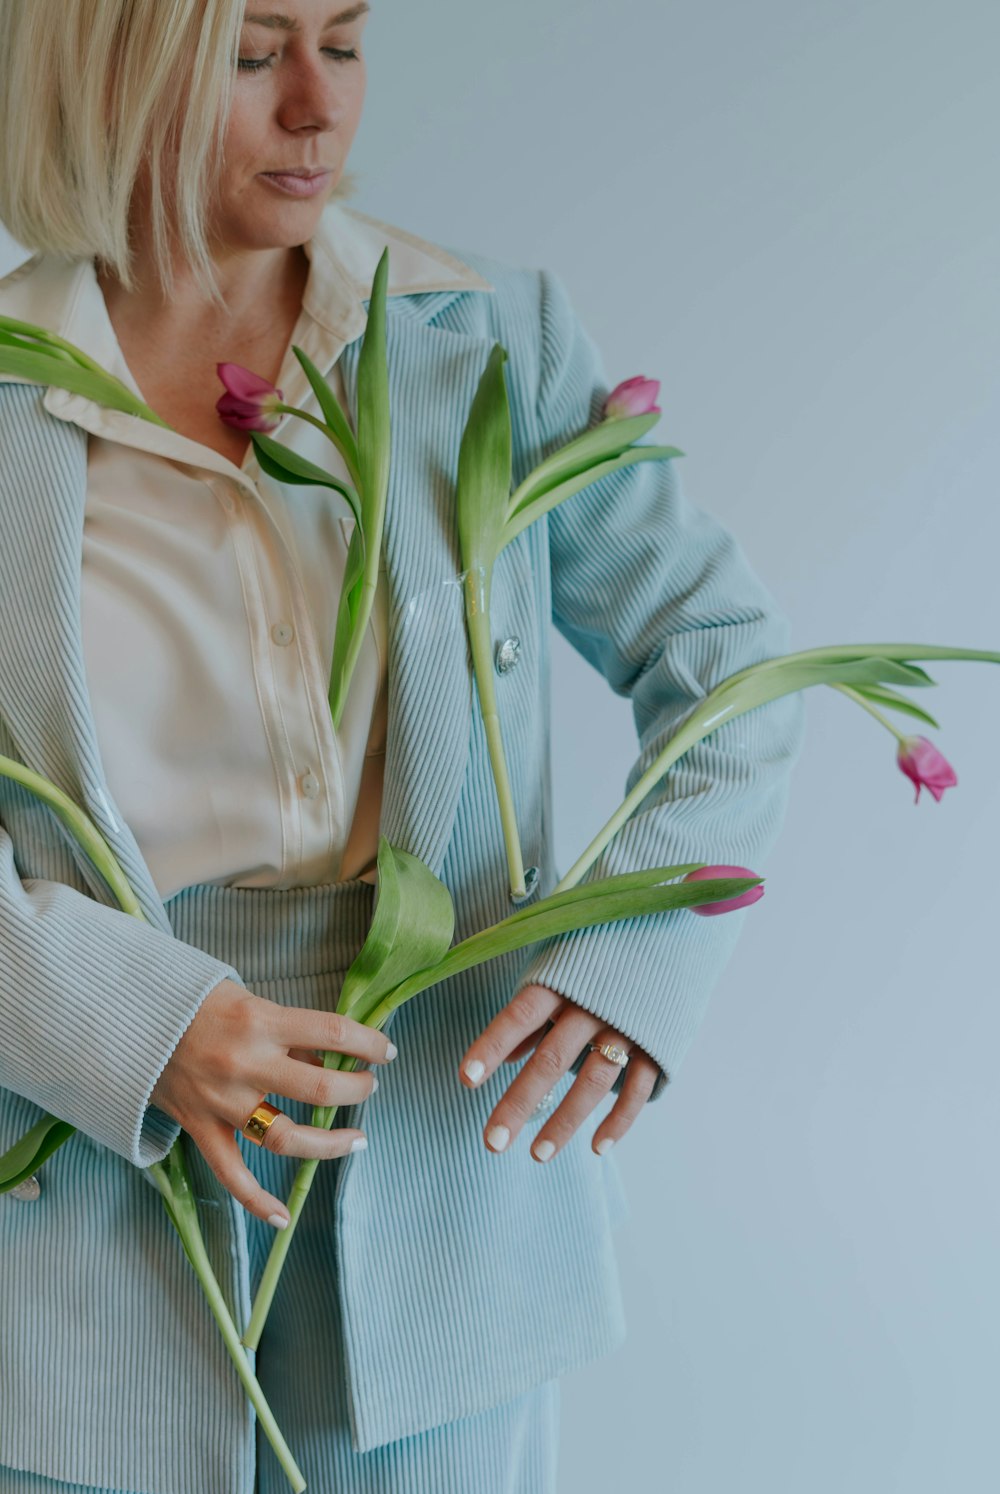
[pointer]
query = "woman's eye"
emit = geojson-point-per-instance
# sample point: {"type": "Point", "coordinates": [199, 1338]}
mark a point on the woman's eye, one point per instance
{"type": "Point", "coordinates": [258, 64]}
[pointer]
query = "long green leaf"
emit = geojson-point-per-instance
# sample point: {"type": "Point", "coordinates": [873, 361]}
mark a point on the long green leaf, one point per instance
{"type": "Point", "coordinates": [565, 916]}
{"type": "Point", "coordinates": [347, 613]}
{"type": "Point", "coordinates": [484, 467]}
{"type": "Point", "coordinates": [882, 695]}
{"type": "Point", "coordinates": [285, 465]}
{"type": "Point", "coordinates": [412, 927]}
{"type": "Point", "coordinates": [601, 442]}
{"type": "Point", "coordinates": [31, 1150]}
{"type": "Point", "coordinates": [340, 429]}
{"type": "Point", "coordinates": [373, 405]}
{"type": "Point", "coordinates": [43, 368]}
{"type": "Point", "coordinates": [533, 509]}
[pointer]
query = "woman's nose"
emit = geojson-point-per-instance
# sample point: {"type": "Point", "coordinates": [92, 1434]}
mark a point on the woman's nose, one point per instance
{"type": "Point", "coordinates": [313, 98]}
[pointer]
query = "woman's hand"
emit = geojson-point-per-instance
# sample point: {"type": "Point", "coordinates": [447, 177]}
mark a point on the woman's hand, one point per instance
{"type": "Point", "coordinates": [241, 1048]}
{"type": "Point", "coordinates": [520, 1027]}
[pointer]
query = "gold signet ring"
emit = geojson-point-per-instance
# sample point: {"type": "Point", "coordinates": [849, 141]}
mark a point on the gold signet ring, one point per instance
{"type": "Point", "coordinates": [256, 1128]}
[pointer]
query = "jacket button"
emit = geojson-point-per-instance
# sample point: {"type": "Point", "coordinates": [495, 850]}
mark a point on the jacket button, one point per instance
{"type": "Point", "coordinates": [28, 1191]}
{"type": "Point", "coordinates": [507, 654]}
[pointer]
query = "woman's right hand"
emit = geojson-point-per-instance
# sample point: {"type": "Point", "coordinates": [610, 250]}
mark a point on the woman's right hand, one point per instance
{"type": "Point", "coordinates": [241, 1048]}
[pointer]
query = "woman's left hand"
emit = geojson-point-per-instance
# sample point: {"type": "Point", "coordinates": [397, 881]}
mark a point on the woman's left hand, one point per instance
{"type": "Point", "coordinates": [519, 1028]}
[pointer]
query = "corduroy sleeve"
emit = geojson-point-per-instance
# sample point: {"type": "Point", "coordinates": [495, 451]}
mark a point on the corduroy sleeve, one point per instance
{"type": "Point", "coordinates": [93, 1003]}
{"type": "Point", "coordinates": [659, 596]}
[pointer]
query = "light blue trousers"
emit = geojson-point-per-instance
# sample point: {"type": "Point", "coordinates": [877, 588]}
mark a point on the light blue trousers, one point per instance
{"type": "Point", "coordinates": [508, 1449]}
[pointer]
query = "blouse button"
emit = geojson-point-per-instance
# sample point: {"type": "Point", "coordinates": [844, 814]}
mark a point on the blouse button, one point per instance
{"type": "Point", "coordinates": [282, 633]}
{"type": "Point", "coordinates": [310, 785]}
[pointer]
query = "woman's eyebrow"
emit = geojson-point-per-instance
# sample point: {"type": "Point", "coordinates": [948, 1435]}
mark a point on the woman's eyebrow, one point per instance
{"type": "Point", "coordinates": [278, 22]}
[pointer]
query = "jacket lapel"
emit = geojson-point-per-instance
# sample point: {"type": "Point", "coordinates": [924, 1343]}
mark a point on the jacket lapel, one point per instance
{"type": "Point", "coordinates": [43, 692]}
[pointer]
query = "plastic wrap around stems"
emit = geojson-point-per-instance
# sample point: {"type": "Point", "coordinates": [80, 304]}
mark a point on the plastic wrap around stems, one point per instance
{"type": "Point", "coordinates": [170, 1176]}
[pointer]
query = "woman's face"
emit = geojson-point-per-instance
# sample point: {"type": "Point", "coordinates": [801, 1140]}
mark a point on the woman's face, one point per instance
{"type": "Point", "coordinates": [297, 104]}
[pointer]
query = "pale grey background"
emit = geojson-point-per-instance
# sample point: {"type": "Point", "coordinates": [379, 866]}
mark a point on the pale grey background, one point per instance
{"type": "Point", "coordinates": [788, 213]}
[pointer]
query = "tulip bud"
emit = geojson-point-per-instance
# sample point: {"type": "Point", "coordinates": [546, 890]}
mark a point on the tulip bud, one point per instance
{"type": "Point", "coordinates": [727, 905]}
{"type": "Point", "coordinates": [632, 397]}
{"type": "Point", "coordinates": [925, 766]}
{"type": "Point", "coordinates": [249, 401]}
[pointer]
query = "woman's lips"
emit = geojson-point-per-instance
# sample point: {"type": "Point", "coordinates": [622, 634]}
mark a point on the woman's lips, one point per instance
{"type": "Point", "coordinates": [298, 186]}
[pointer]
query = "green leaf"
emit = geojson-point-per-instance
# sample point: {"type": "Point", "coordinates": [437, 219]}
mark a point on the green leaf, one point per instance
{"type": "Point", "coordinates": [48, 368]}
{"type": "Point", "coordinates": [882, 695]}
{"type": "Point", "coordinates": [343, 436]}
{"type": "Point", "coordinates": [374, 431]}
{"type": "Point", "coordinates": [484, 467]}
{"type": "Point", "coordinates": [412, 927]}
{"type": "Point", "coordinates": [285, 465]}
{"type": "Point", "coordinates": [577, 908]}
{"type": "Point", "coordinates": [347, 612]}
{"type": "Point", "coordinates": [601, 442]}
{"type": "Point", "coordinates": [30, 1151]}
{"type": "Point", "coordinates": [533, 509]}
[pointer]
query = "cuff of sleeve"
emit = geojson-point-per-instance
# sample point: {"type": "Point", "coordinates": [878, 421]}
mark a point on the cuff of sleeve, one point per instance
{"type": "Point", "coordinates": [104, 1000]}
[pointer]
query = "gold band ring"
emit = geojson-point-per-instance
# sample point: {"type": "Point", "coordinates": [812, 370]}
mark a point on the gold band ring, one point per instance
{"type": "Point", "coordinates": [256, 1128]}
{"type": "Point", "coordinates": [613, 1051]}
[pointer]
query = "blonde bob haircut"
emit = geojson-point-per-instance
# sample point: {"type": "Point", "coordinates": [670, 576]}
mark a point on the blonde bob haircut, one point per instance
{"type": "Point", "coordinates": [89, 90]}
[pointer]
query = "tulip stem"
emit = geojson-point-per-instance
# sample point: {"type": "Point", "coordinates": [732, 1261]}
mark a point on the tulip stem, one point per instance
{"type": "Point", "coordinates": [477, 599]}
{"type": "Point", "coordinates": [867, 705]}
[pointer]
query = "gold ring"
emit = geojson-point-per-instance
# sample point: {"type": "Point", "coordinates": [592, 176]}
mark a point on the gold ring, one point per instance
{"type": "Point", "coordinates": [611, 1050]}
{"type": "Point", "coordinates": [256, 1128]}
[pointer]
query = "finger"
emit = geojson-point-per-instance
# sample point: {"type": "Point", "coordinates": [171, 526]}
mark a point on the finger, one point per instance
{"type": "Point", "coordinates": [553, 1057]}
{"type": "Point", "coordinates": [637, 1086]}
{"type": "Point", "coordinates": [221, 1151]}
{"type": "Point", "coordinates": [530, 1043]}
{"type": "Point", "coordinates": [286, 1139]}
{"type": "Point", "coordinates": [523, 1014]}
{"type": "Point", "coordinates": [316, 1085]}
{"type": "Point", "coordinates": [329, 1032]}
{"type": "Point", "coordinates": [593, 1083]}
{"type": "Point", "coordinates": [306, 1055]}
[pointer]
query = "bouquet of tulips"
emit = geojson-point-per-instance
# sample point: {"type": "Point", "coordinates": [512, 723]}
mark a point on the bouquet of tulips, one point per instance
{"type": "Point", "coordinates": [409, 945]}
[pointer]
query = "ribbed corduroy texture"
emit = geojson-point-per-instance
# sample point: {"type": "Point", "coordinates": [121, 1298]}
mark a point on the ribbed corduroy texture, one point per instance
{"type": "Point", "coordinates": [465, 1278]}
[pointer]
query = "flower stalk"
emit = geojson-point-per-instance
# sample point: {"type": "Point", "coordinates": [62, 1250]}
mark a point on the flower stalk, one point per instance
{"type": "Point", "coordinates": [490, 517]}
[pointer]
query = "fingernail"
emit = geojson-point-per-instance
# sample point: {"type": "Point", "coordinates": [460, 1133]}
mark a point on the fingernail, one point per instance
{"type": "Point", "coordinates": [359, 1143]}
{"type": "Point", "coordinates": [498, 1137]}
{"type": "Point", "coordinates": [391, 1051]}
{"type": "Point", "coordinates": [604, 1145]}
{"type": "Point", "coordinates": [543, 1150]}
{"type": "Point", "coordinates": [474, 1070]}
{"type": "Point", "coordinates": [277, 1221]}
{"type": "Point", "coordinates": [374, 1083]}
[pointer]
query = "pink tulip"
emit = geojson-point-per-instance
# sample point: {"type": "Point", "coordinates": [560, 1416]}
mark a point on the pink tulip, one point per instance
{"type": "Point", "coordinates": [727, 905]}
{"type": "Point", "coordinates": [632, 397]}
{"type": "Point", "coordinates": [249, 401]}
{"type": "Point", "coordinates": [920, 760]}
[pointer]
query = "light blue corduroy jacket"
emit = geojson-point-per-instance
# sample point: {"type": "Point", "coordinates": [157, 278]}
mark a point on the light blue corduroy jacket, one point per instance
{"type": "Point", "coordinates": [658, 596]}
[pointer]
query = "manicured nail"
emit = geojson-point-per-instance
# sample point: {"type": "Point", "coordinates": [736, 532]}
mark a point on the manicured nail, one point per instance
{"type": "Point", "coordinates": [604, 1145]}
{"type": "Point", "coordinates": [277, 1221]}
{"type": "Point", "coordinates": [359, 1143]}
{"type": "Point", "coordinates": [474, 1070]}
{"type": "Point", "coordinates": [498, 1137]}
{"type": "Point", "coordinates": [374, 1083]}
{"type": "Point", "coordinates": [543, 1150]}
{"type": "Point", "coordinates": [391, 1051]}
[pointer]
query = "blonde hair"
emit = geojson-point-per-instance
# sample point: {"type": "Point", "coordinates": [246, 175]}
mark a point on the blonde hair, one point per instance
{"type": "Point", "coordinates": [91, 88]}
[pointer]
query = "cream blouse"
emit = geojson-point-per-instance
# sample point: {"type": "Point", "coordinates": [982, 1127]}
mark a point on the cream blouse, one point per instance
{"type": "Point", "coordinates": [210, 591]}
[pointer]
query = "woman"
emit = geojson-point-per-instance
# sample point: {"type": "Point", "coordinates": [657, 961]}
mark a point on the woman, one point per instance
{"type": "Point", "coordinates": [168, 617]}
